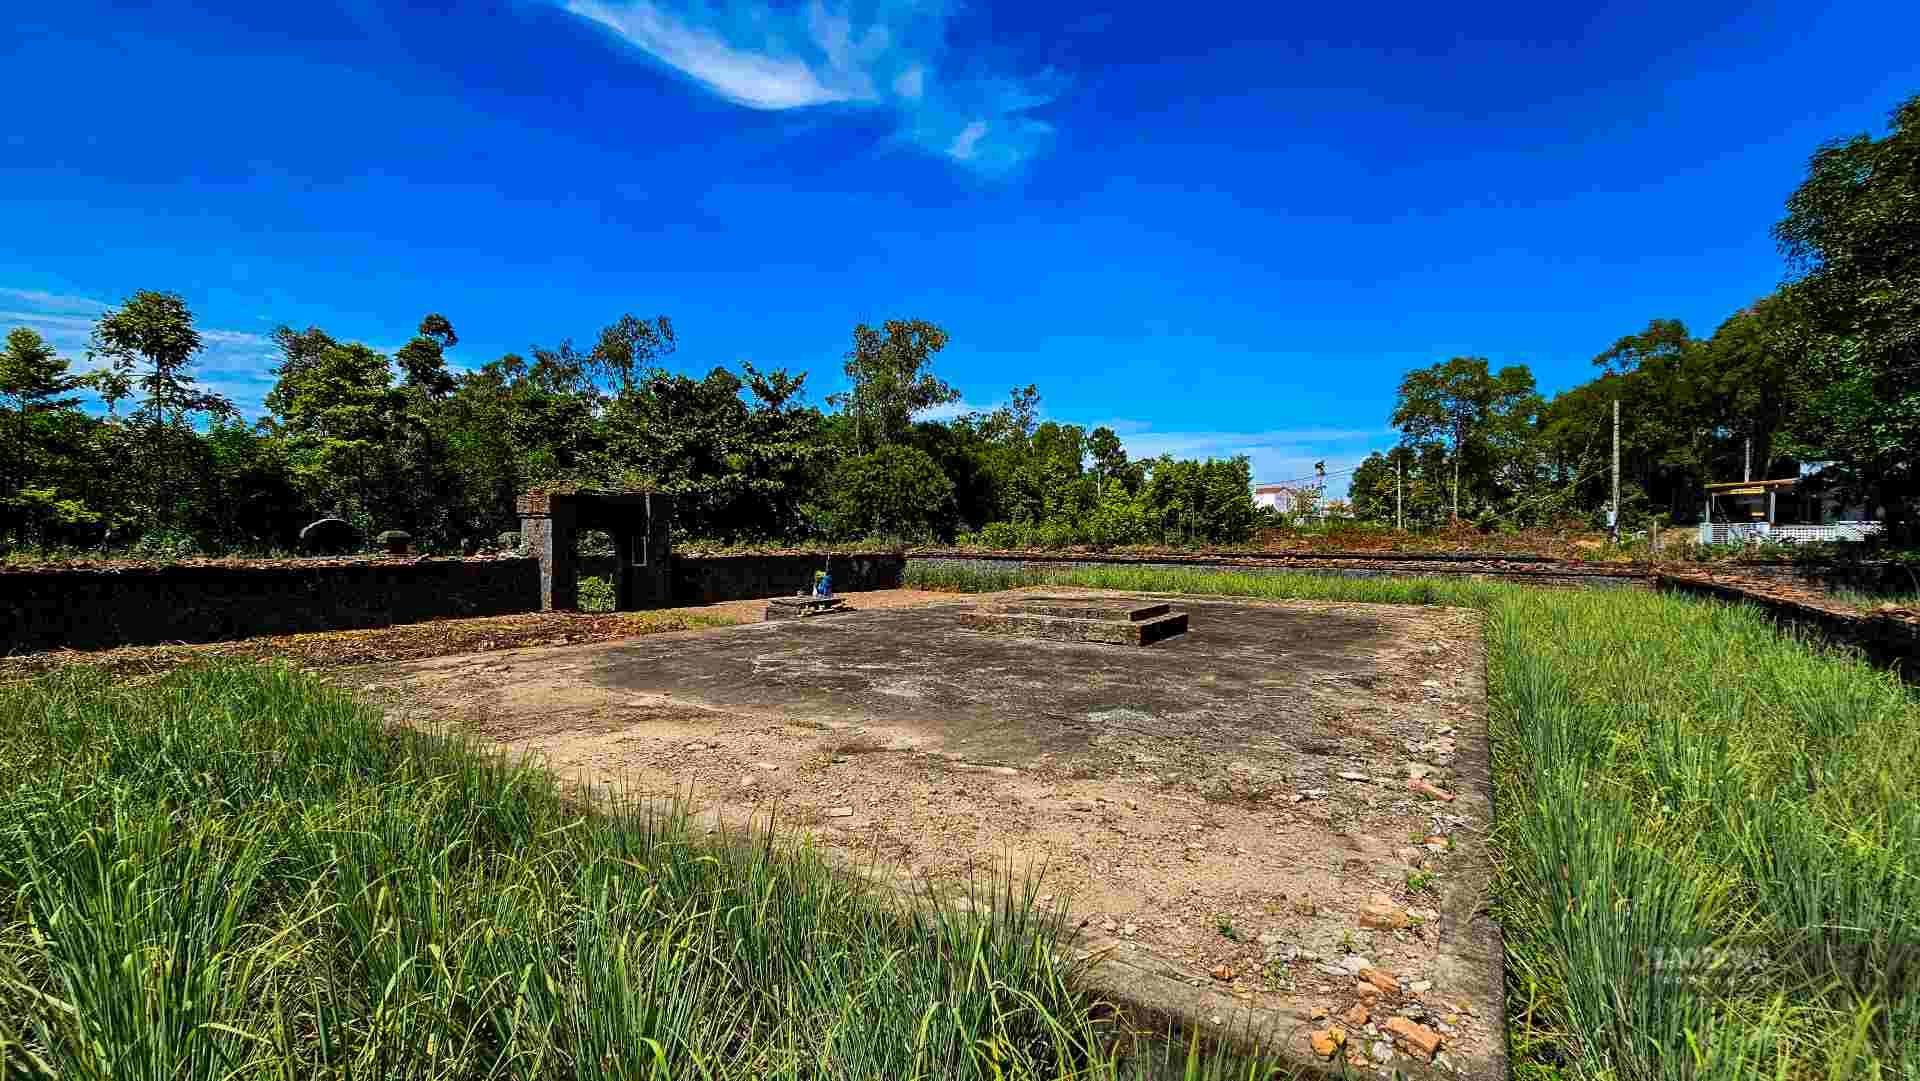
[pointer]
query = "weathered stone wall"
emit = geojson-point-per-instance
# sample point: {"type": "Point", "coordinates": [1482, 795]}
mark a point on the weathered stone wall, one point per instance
{"type": "Point", "coordinates": [99, 607]}
{"type": "Point", "coordinates": [1888, 641]}
{"type": "Point", "coordinates": [1528, 571]}
{"type": "Point", "coordinates": [709, 579]}
{"type": "Point", "coordinates": [1872, 577]}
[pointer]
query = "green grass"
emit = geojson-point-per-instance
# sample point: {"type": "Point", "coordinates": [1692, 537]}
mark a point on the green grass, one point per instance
{"type": "Point", "coordinates": [1867, 600]}
{"type": "Point", "coordinates": [238, 871]}
{"type": "Point", "coordinates": [1675, 780]}
{"type": "Point", "coordinates": [1279, 586]}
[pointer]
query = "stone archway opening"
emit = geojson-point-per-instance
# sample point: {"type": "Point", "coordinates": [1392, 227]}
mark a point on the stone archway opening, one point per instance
{"type": "Point", "coordinates": [550, 525]}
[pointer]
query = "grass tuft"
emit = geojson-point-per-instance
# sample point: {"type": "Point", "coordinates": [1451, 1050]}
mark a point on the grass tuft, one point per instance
{"type": "Point", "coordinates": [239, 872]}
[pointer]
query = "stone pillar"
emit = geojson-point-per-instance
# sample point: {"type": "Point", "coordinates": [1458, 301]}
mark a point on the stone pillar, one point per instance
{"type": "Point", "coordinates": [548, 525]}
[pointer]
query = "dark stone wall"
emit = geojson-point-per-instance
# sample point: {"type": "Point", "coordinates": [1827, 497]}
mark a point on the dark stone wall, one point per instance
{"type": "Point", "coordinates": [709, 579]}
{"type": "Point", "coordinates": [1887, 641]}
{"type": "Point", "coordinates": [1870, 576]}
{"type": "Point", "coordinates": [100, 607]}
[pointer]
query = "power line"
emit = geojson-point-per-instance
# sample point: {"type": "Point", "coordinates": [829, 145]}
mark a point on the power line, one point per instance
{"type": "Point", "coordinates": [1308, 477]}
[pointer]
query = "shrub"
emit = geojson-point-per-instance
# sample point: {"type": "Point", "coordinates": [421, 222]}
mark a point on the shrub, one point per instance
{"type": "Point", "coordinates": [1000, 535]}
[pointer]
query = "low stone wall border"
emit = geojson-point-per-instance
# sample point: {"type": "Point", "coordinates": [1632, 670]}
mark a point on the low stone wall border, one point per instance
{"type": "Point", "coordinates": [1885, 641]}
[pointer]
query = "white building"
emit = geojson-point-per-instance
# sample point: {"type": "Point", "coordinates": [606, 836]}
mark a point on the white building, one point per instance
{"type": "Point", "coordinates": [1287, 498]}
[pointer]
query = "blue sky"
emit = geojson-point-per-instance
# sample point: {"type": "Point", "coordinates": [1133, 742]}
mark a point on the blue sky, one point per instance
{"type": "Point", "coordinates": [1221, 229]}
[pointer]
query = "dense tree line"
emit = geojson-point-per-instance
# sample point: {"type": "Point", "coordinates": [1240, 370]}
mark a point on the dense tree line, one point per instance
{"type": "Point", "coordinates": [1825, 369]}
{"type": "Point", "coordinates": [408, 442]}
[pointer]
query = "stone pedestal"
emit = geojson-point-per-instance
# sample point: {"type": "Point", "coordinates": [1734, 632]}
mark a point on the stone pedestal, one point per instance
{"type": "Point", "coordinates": [1119, 621]}
{"type": "Point", "coordinates": [801, 607]}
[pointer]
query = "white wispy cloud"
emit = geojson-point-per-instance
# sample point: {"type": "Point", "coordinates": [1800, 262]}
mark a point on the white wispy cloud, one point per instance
{"type": "Point", "coordinates": [236, 338]}
{"type": "Point", "coordinates": [49, 324]}
{"type": "Point", "coordinates": [966, 143]}
{"type": "Point", "coordinates": [951, 410]}
{"type": "Point", "coordinates": [42, 301]}
{"type": "Point", "coordinates": [892, 56]}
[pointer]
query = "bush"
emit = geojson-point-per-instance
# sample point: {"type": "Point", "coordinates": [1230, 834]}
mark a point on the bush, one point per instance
{"type": "Point", "coordinates": [595, 594]}
{"type": "Point", "coordinates": [1056, 534]}
{"type": "Point", "coordinates": [894, 491]}
{"type": "Point", "coordinates": [166, 543]}
{"type": "Point", "coordinates": [1000, 535]}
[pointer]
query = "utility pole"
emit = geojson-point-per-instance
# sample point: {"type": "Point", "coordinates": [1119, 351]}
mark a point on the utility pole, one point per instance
{"type": "Point", "coordinates": [1399, 484]}
{"type": "Point", "coordinates": [1456, 478]}
{"type": "Point", "coordinates": [1613, 516]}
{"type": "Point", "coordinates": [1746, 462]}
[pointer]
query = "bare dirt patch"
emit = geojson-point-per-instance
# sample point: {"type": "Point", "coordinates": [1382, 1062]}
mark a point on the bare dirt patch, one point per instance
{"type": "Point", "coordinates": [1229, 812]}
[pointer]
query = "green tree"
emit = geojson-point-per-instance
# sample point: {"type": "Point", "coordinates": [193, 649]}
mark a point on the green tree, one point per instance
{"type": "Point", "coordinates": [743, 469]}
{"type": "Point", "coordinates": [155, 329]}
{"type": "Point", "coordinates": [423, 360]}
{"type": "Point", "coordinates": [1195, 502]}
{"type": "Point", "coordinates": [1669, 430]}
{"type": "Point", "coordinates": [251, 498]}
{"type": "Point", "coordinates": [1110, 465]}
{"type": "Point", "coordinates": [891, 370]}
{"type": "Point", "coordinates": [1852, 236]}
{"type": "Point", "coordinates": [1372, 488]}
{"type": "Point", "coordinates": [34, 381]}
{"type": "Point", "coordinates": [1750, 381]}
{"type": "Point", "coordinates": [628, 348]}
{"type": "Point", "coordinates": [336, 407]}
{"type": "Point", "coordinates": [897, 490]}
{"type": "Point", "coordinates": [1485, 419]}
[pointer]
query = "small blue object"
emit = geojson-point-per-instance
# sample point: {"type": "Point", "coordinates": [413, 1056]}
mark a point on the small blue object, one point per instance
{"type": "Point", "coordinates": [823, 584]}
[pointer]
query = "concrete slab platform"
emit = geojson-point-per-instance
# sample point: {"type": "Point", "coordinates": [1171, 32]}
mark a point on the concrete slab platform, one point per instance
{"type": "Point", "coordinates": [1079, 607]}
{"type": "Point", "coordinates": [1121, 631]}
{"type": "Point", "coordinates": [1226, 811]}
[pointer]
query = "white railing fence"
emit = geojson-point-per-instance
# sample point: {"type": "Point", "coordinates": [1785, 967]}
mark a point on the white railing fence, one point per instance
{"type": "Point", "coordinates": [1755, 532]}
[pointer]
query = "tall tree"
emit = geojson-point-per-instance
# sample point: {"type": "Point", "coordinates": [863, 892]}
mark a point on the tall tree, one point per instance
{"type": "Point", "coordinates": [423, 360]}
{"type": "Point", "coordinates": [1852, 235]}
{"type": "Point", "coordinates": [156, 329]}
{"type": "Point", "coordinates": [1750, 379]}
{"type": "Point", "coordinates": [1110, 465]}
{"type": "Point", "coordinates": [891, 369]}
{"type": "Point", "coordinates": [628, 348]}
{"type": "Point", "coordinates": [1481, 415]}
